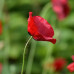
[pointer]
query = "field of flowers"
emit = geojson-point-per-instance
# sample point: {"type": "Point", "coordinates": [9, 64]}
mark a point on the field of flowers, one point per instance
{"type": "Point", "coordinates": [36, 36]}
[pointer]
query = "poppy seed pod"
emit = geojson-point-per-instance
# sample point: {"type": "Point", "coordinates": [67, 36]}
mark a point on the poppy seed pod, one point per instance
{"type": "Point", "coordinates": [40, 29]}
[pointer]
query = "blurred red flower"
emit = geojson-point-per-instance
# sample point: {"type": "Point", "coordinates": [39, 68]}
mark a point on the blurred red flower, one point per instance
{"type": "Point", "coordinates": [0, 68]}
{"type": "Point", "coordinates": [73, 57]}
{"type": "Point", "coordinates": [0, 27]}
{"type": "Point", "coordinates": [61, 7]}
{"type": "Point", "coordinates": [40, 29]}
{"type": "Point", "coordinates": [70, 67]}
{"type": "Point", "coordinates": [59, 64]}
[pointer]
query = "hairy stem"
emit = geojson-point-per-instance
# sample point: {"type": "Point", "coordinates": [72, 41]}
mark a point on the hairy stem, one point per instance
{"type": "Point", "coordinates": [24, 54]}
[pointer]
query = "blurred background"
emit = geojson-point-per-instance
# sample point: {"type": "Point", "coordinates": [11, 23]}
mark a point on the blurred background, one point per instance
{"type": "Point", "coordinates": [39, 55]}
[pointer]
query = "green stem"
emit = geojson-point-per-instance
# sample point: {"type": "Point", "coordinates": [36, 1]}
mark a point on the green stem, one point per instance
{"type": "Point", "coordinates": [31, 57]}
{"type": "Point", "coordinates": [24, 54]}
{"type": "Point", "coordinates": [45, 9]}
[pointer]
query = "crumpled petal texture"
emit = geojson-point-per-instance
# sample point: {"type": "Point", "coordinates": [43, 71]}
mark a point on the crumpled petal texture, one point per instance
{"type": "Point", "coordinates": [0, 27]}
{"type": "Point", "coordinates": [61, 8]}
{"type": "Point", "coordinates": [40, 29]}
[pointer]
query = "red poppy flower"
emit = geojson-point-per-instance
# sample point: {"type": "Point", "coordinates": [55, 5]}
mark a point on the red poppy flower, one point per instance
{"type": "Point", "coordinates": [71, 66]}
{"type": "Point", "coordinates": [0, 68]}
{"type": "Point", "coordinates": [73, 57]}
{"type": "Point", "coordinates": [59, 64]}
{"type": "Point", "coordinates": [61, 8]}
{"type": "Point", "coordinates": [40, 29]}
{"type": "Point", "coordinates": [0, 27]}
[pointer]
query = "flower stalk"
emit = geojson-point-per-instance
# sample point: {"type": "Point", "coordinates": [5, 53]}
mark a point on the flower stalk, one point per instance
{"type": "Point", "coordinates": [24, 54]}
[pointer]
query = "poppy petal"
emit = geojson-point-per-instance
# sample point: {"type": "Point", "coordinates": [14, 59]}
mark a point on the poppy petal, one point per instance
{"type": "Point", "coordinates": [40, 29]}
